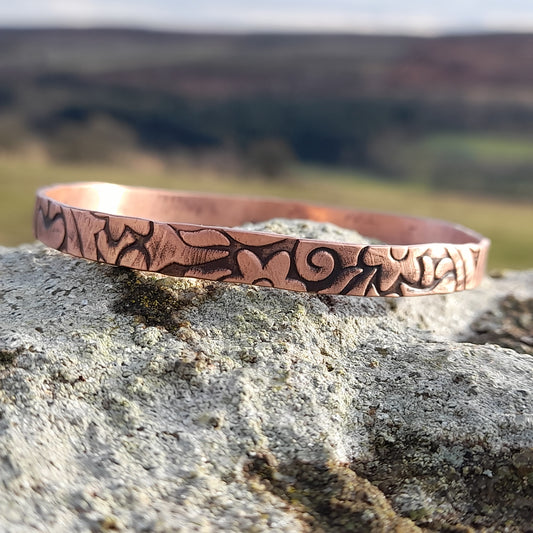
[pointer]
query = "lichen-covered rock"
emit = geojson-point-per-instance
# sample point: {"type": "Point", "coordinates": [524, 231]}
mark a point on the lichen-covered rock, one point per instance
{"type": "Point", "coordinates": [135, 402]}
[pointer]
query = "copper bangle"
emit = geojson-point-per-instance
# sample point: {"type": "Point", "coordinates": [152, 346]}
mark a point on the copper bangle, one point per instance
{"type": "Point", "coordinates": [190, 234]}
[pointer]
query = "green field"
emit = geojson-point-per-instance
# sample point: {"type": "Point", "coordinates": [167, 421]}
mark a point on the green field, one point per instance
{"type": "Point", "coordinates": [508, 224]}
{"type": "Point", "coordinates": [491, 148]}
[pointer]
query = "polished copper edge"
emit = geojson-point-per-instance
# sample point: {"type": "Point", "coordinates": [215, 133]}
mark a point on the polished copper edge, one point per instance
{"type": "Point", "coordinates": [190, 234]}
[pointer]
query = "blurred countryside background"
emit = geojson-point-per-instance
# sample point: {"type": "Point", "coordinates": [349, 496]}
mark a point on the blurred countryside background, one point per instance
{"type": "Point", "coordinates": [410, 113]}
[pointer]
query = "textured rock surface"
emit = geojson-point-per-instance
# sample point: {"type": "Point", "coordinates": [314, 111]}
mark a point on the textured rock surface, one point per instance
{"type": "Point", "coordinates": [134, 402]}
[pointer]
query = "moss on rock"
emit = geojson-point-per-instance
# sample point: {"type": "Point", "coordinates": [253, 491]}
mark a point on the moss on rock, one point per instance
{"type": "Point", "coordinates": [327, 497]}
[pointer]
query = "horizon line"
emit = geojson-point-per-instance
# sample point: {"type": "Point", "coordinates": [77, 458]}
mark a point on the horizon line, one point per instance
{"type": "Point", "coordinates": [229, 31]}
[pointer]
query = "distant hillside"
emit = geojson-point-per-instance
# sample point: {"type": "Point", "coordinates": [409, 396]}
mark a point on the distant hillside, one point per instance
{"type": "Point", "coordinates": [214, 66]}
{"type": "Point", "coordinates": [363, 101]}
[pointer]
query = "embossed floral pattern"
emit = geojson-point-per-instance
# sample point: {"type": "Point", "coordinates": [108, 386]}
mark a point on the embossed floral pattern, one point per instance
{"type": "Point", "coordinates": [274, 273]}
{"type": "Point", "coordinates": [259, 259]}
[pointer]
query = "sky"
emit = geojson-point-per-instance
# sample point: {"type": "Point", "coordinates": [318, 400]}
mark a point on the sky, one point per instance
{"type": "Point", "coordinates": [384, 16]}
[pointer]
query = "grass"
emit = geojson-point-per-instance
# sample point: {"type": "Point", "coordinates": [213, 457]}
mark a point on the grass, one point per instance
{"type": "Point", "coordinates": [482, 147]}
{"type": "Point", "coordinates": [508, 224]}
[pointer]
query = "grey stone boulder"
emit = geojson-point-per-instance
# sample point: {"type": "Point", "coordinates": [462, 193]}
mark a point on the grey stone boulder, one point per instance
{"type": "Point", "coordinates": [137, 402]}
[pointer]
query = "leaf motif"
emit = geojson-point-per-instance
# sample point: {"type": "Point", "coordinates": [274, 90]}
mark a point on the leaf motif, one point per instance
{"type": "Point", "coordinates": [166, 247]}
{"type": "Point", "coordinates": [50, 224]}
{"type": "Point", "coordinates": [204, 238]}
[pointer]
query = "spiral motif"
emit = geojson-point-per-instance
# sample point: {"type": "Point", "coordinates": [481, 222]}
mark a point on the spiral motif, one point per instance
{"type": "Point", "coordinates": [312, 263]}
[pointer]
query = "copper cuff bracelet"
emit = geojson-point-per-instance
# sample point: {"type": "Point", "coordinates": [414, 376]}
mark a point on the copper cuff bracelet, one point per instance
{"type": "Point", "coordinates": [190, 234]}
